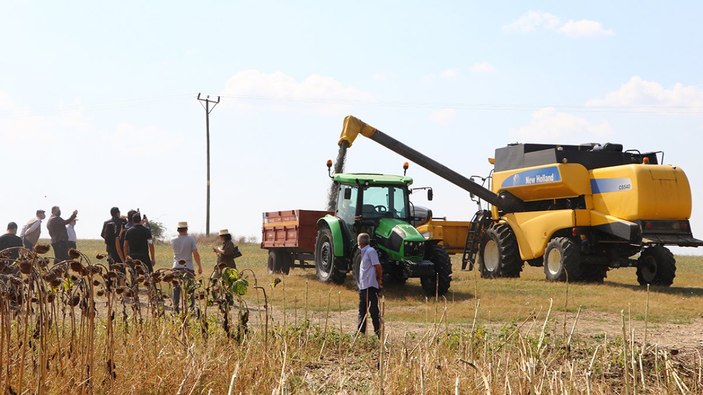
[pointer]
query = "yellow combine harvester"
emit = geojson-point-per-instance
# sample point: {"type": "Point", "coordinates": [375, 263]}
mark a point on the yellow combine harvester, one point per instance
{"type": "Point", "coordinates": [577, 210]}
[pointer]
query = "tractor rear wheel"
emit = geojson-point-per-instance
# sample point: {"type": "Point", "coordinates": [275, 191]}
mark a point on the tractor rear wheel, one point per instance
{"type": "Point", "coordinates": [438, 284]}
{"type": "Point", "coordinates": [279, 261]}
{"type": "Point", "coordinates": [562, 260]}
{"type": "Point", "coordinates": [656, 266]}
{"type": "Point", "coordinates": [326, 264]}
{"type": "Point", "coordinates": [500, 256]}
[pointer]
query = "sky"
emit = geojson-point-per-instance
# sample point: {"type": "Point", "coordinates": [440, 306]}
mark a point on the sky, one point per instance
{"type": "Point", "coordinates": [98, 100]}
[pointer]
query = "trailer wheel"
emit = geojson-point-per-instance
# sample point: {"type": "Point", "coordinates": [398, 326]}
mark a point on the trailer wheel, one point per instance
{"type": "Point", "coordinates": [562, 261]}
{"type": "Point", "coordinates": [440, 281]}
{"type": "Point", "coordinates": [500, 256]}
{"type": "Point", "coordinates": [279, 262]}
{"type": "Point", "coordinates": [326, 264]}
{"type": "Point", "coordinates": [656, 266]}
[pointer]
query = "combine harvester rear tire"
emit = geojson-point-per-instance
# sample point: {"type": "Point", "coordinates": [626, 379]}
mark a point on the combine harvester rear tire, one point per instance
{"type": "Point", "coordinates": [656, 266]}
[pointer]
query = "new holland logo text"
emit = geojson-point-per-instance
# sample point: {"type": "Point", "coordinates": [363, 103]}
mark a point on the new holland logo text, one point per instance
{"type": "Point", "coordinates": [533, 177]}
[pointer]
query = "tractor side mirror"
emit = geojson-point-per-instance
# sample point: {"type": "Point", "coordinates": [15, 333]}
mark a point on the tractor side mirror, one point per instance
{"type": "Point", "coordinates": [430, 194]}
{"type": "Point", "coordinates": [347, 193]}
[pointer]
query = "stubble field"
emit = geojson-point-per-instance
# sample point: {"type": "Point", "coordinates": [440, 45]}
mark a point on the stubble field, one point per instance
{"type": "Point", "coordinates": [293, 334]}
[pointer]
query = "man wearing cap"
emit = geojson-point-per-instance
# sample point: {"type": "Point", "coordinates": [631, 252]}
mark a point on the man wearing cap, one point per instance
{"type": "Point", "coordinates": [225, 254]}
{"type": "Point", "coordinates": [59, 236]}
{"type": "Point", "coordinates": [32, 229]}
{"type": "Point", "coordinates": [184, 252]}
{"type": "Point", "coordinates": [138, 243]}
{"type": "Point", "coordinates": [112, 228]}
{"type": "Point", "coordinates": [10, 240]}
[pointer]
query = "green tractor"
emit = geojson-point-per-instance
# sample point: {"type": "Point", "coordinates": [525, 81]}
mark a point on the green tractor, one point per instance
{"type": "Point", "coordinates": [380, 206]}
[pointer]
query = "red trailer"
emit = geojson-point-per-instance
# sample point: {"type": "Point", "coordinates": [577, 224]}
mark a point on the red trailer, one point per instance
{"type": "Point", "coordinates": [289, 236]}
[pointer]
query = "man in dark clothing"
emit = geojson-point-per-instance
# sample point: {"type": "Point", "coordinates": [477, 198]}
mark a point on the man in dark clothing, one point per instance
{"type": "Point", "coordinates": [138, 243]}
{"type": "Point", "coordinates": [111, 234]}
{"type": "Point", "coordinates": [59, 236]}
{"type": "Point", "coordinates": [10, 240]}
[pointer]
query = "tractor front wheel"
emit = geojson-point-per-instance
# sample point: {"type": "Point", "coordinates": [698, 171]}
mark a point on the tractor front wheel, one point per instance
{"type": "Point", "coordinates": [326, 264]}
{"type": "Point", "coordinates": [562, 260]}
{"type": "Point", "coordinates": [438, 284]}
{"type": "Point", "coordinates": [656, 266]}
{"type": "Point", "coordinates": [500, 256]}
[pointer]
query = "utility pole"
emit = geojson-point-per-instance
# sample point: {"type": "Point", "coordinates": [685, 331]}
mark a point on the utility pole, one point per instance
{"type": "Point", "coordinates": [208, 110]}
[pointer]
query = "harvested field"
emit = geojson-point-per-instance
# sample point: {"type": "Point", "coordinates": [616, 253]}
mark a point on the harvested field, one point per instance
{"type": "Point", "coordinates": [298, 336]}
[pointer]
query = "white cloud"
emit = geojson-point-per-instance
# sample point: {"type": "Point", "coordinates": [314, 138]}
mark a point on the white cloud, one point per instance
{"type": "Point", "coordinates": [652, 96]}
{"type": "Point", "coordinates": [444, 116]}
{"type": "Point", "coordinates": [536, 20]}
{"type": "Point", "coordinates": [281, 92]}
{"type": "Point", "coordinates": [531, 21]}
{"type": "Point", "coordinates": [450, 74]}
{"type": "Point", "coordinates": [584, 28]}
{"type": "Point", "coordinates": [550, 126]}
{"type": "Point", "coordinates": [482, 67]}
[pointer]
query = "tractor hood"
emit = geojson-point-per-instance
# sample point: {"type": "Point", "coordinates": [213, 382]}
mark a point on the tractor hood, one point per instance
{"type": "Point", "coordinates": [400, 239]}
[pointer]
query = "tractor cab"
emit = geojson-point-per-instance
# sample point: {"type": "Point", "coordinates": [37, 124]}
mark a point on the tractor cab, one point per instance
{"type": "Point", "coordinates": [379, 205]}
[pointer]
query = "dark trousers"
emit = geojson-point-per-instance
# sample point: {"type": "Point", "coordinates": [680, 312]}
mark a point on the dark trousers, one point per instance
{"type": "Point", "coordinates": [72, 244]}
{"type": "Point", "coordinates": [145, 260]}
{"type": "Point", "coordinates": [27, 244]}
{"type": "Point", "coordinates": [112, 253]}
{"type": "Point", "coordinates": [368, 304]}
{"type": "Point", "coordinates": [60, 250]}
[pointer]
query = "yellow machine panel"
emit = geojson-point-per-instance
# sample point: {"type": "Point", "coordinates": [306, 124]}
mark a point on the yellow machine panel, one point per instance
{"type": "Point", "coordinates": [544, 182]}
{"type": "Point", "coordinates": [639, 191]}
{"type": "Point", "coordinates": [534, 229]}
{"type": "Point", "coordinates": [452, 233]}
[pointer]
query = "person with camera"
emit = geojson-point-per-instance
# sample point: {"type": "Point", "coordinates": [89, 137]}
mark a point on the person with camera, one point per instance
{"type": "Point", "coordinates": [227, 252]}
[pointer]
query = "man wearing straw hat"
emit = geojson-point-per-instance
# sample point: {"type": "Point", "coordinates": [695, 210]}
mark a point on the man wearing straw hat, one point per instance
{"type": "Point", "coordinates": [370, 281]}
{"type": "Point", "coordinates": [184, 252]}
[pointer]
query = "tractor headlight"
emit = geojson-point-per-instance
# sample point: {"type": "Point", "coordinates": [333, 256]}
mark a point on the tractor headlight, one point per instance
{"type": "Point", "coordinates": [399, 232]}
{"type": "Point", "coordinates": [427, 235]}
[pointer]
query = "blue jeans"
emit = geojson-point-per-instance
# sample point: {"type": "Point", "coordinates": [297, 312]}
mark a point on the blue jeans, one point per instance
{"type": "Point", "coordinates": [368, 302]}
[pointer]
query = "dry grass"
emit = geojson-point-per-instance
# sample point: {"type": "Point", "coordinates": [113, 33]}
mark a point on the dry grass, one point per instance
{"type": "Point", "coordinates": [504, 336]}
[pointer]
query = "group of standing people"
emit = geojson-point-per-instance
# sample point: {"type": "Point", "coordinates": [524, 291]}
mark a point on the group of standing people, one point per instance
{"type": "Point", "coordinates": [61, 231]}
{"type": "Point", "coordinates": [129, 236]}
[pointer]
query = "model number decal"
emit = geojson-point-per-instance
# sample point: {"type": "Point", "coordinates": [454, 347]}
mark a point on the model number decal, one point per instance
{"type": "Point", "coordinates": [605, 185]}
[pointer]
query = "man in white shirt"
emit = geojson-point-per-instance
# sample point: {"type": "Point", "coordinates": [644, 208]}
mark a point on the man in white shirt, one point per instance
{"type": "Point", "coordinates": [31, 230]}
{"type": "Point", "coordinates": [369, 283]}
{"type": "Point", "coordinates": [71, 231]}
{"type": "Point", "coordinates": [184, 252]}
